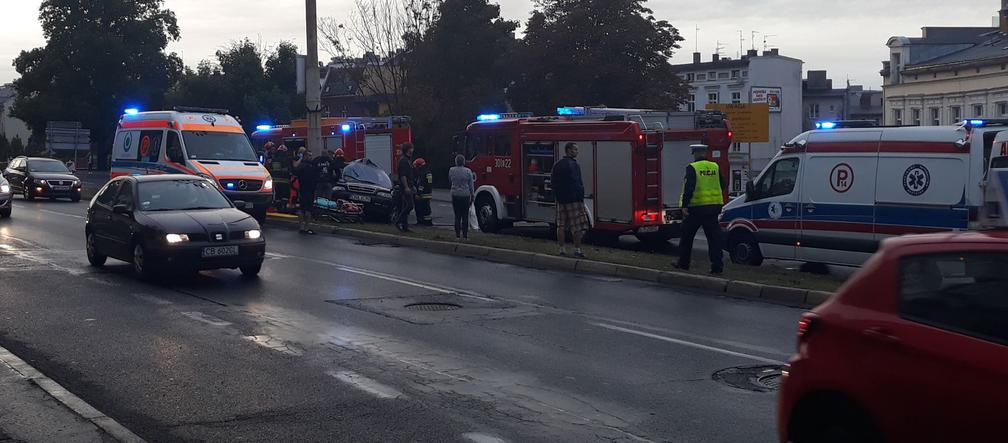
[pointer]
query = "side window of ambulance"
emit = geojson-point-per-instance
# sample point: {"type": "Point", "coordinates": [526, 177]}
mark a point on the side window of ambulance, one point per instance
{"type": "Point", "coordinates": [150, 145]}
{"type": "Point", "coordinates": [779, 180]}
{"type": "Point", "coordinates": [173, 150]}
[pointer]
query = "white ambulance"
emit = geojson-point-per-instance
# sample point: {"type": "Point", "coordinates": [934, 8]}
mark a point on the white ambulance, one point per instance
{"type": "Point", "coordinates": [204, 142]}
{"type": "Point", "coordinates": [830, 196]}
{"type": "Point", "coordinates": [994, 212]}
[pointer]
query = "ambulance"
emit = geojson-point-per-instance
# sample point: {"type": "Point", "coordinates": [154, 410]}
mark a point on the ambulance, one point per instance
{"type": "Point", "coordinates": [831, 195]}
{"type": "Point", "coordinates": [197, 141]}
{"type": "Point", "coordinates": [994, 212]}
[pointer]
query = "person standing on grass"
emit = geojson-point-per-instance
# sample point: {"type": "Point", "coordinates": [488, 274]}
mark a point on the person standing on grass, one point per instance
{"type": "Point", "coordinates": [702, 200]}
{"type": "Point", "coordinates": [307, 175]}
{"type": "Point", "coordinates": [326, 179]}
{"type": "Point", "coordinates": [407, 182]}
{"type": "Point", "coordinates": [462, 189]}
{"type": "Point", "coordinates": [568, 187]}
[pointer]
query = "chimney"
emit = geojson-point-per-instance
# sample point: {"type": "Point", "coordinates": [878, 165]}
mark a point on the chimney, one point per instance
{"type": "Point", "coordinates": [1003, 15]}
{"type": "Point", "coordinates": [715, 58]}
{"type": "Point", "coordinates": [766, 53]}
{"type": "Point", "coordinates": [752, 53]}
{"type": "Point", "coordinates": [696, 58]}
{"type": "Point", "coordinates": [775, 51]}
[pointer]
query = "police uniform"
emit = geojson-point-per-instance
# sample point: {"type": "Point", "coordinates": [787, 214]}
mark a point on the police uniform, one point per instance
{"type": "Point", "coordinates": [425, 192]}
{"type": "Point", "coordinates": [703, 196]}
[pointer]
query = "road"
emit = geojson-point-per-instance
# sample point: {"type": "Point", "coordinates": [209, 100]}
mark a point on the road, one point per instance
{"type": "Point", "coordinates": [322, 347]}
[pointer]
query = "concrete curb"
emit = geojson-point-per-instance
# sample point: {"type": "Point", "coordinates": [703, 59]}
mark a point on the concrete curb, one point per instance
{"type": "Point", "coordinates": [780, 295]}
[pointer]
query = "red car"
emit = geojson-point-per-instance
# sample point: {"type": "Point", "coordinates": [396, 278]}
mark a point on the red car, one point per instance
{"type": "Point", "coordinates": [913, 348]}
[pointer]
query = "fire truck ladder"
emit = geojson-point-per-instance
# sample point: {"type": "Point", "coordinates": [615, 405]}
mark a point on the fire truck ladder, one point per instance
{"type": "Point", "coordinates": [652, 169]}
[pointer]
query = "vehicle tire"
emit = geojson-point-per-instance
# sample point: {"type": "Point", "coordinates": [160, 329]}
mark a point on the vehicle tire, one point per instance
{"type": "Point", "coordinates": [251, 271]}
{"type": "Point", "coordinates": [486, 214]}
{"type": "Point", "coordinates": [744, 249]}
{"type": "Point", "coordinates": [834, 423]}
{"type": "Point", "coordinates": [141, 262]}
{"type": "Point", "coordinates": [94, 257]}
{"type": "Point", "coordinates": [4, 213]}
{"type": "Point", "coordinates": [27, 194]}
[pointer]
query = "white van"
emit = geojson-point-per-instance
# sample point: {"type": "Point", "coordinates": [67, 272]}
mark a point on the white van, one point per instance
{"type": "Point", "coordinates": [830, 196]}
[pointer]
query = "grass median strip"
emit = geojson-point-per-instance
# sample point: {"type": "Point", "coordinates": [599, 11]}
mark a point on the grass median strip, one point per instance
{"type": "Point", "coordinates": [768, 275]}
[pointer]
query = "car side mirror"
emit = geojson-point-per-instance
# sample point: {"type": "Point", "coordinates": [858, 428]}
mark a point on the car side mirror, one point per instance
{"type": "Point", "coordinates": [121, 209]}
{"type": "Point", "coordinates": [961, 143]}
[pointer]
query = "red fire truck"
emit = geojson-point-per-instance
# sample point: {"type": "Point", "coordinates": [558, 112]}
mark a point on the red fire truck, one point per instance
{"type": "Point", "coordinates": [632, 175]}
{"type": "Point", "coordinates": [375, 138]}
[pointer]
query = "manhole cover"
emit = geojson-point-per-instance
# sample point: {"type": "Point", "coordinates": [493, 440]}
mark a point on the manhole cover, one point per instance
{"type": "Point", "coordinates": [433, 307]}
{"type": "Point", "coordinates": [751, 378]}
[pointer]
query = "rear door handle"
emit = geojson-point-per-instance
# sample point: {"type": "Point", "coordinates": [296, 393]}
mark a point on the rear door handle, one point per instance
{"type": "Point", "coordinates": [881, 334]}
{"type": "Point", "coordinates": [809, 208]}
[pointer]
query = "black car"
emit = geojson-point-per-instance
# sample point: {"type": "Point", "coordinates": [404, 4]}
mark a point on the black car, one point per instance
{"type": "Point", "coordinates": [42, 177]}
{"type": "Point", "coordinates": [5, 198]}
{"type": "Point", "coordinates": [365, 183]}
{"type": "Point", "coordinates": [171, 222]}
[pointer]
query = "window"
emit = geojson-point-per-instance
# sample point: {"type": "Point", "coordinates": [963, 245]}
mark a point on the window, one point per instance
{"type": "Point", "coordinates": [978, 110]}
{"type": "Point", "coordinates": [813, 110]}
{"type": "Point", "coordinates": [173, 195]}
{"type": "Point", "coordinates": [956, 114]}
{"type": "Point", "coordinates": [916, 116]}
{"type": "Point", "coordinates": [935, 117]}
{"type": "Point", "coordinates": [502, 145]}
{"type": "Point", "coordinates": [736, 97]}
{"type": "Point", "coordinates": [897, 115]}
{"type": "Point", "coordinates": [701, 77]}
{"type": "Point", "coordinates": [203, 145]}
{"type": "Point", "coordinates": [689, 77]}
{"type": "Point", "coordinates": [107, 195]}
{"type": "Point", "coordinates": [47, 166]}
{"type": "Point", "coordinates": [150, 145]}
{"type": "Point", "coordinates": [832, 108]}
{"type": "Point", "coordinates": [735, 74]}
{"type": "Point", "coordinates": [1002, 109]}
{"type": "Point", "coordinates": [712, 97]}
{"type": "Point", "coordinates": [691, 103]}
{"type": "Point", "coordinates": [745, 74]}
{"type": "Point", "coordinates": [474, 145]}
{"type": "Point", "coordinates": [712, 75]}
{"type": "Point", "coordinates": [722, 76]}
{"type": "Point", "coordinates": [736, 181]}
{"type": "Point", "coordinates": [736, 147]}
{"type": "Point", "coordinates": [960, 292]}
{"type": "Point", "coordinates": [174, 147]}
{"type": "Point", "coordinates": [125, 196]}
{"type": "Point", "coordinates": [779, 179]}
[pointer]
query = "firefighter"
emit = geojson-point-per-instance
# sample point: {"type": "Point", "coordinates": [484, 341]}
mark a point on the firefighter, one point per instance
{"type": "Point", "coordinates": [702, 200]}
{"type": "Point", "coordinates": [425, 192]}
{"type": "Point", "coordinates": [339, 162]}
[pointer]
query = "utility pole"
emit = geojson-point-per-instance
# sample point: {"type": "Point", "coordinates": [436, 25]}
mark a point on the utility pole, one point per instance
{"type": "Point", "coordinates": [313, 89]}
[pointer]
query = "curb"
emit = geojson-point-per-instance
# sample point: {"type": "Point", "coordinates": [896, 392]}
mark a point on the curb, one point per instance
{"type": "Point", "coordinates": [780, 295]}
{"type": "Point", "coordinates": [69, 400]}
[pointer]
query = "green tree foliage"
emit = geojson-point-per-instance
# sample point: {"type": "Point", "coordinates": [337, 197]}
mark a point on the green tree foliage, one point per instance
{"type": "Point", "coordinates": [251, 84]}
{"type": "Point", "coordinates": [100, 56]}
{"type": "Point", "coordinates": [457, 70]}
{"type": "Point", "coordinates": [585, 52]}
{"type": "Point", "coordinates": [4, 148]}
{"type": "Point", "coordinates": [16, 146]}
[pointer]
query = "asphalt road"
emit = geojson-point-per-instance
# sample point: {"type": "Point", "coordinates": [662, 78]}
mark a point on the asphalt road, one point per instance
{"type": "Point", "coordinates": [322, 348]}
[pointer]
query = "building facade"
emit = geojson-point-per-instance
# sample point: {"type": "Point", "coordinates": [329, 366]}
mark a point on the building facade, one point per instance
{"type": "Point", "coordinates": [747, 80]}
{"type": "Point", "coordinates": [823, 102]}
{"type": "Point", "coordinates": [947, 75]}
{"type": "Point", "coordinates": [10, 126]}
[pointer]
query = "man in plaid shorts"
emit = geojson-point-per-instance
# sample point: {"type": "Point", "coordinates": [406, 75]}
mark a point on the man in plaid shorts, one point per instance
{"type": "Point", "coordinates": [569, 191]}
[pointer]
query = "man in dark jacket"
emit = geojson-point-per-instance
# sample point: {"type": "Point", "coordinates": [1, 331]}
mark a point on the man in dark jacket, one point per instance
{"type": "Point", "coordinates": [407, 185]}
{"type": "Point", "coordinates": [569, 190]}
{"type": "Point", "coordinates": [324, 169]}
{"type": "Point", "coordinates": [425, 192]}
{"type": "Point", "coordinates": [702, 200]}
{"type": "Point", "coordinates": [307, 176]}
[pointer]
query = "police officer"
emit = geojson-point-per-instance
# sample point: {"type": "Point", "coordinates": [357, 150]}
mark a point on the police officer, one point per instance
{"type": "Point", "coordinates": [425, 192]}
{"type": "Point", "coordinates": [702, 200]}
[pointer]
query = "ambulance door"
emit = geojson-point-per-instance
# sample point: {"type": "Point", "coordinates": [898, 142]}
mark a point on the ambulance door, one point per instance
{"type": "Point", "coordinates": [537, 163]}
{"type": "Point", "coordinates": [837, 197]}
{"type": "Point", "coordinates": [774, 203]}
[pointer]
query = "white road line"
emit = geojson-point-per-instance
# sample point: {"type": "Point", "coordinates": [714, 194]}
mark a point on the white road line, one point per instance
{"type": "Point", "coordinates": [690, 344]}
{"type": "Point", "coordinates": [68, 399]}
{"type": "Point", "coordinates": [366, 384]}
{"type": "Point", "coordinates": [62, 213]}
{"type": "Point", "coordinates": [379, 275]}
{"type": "Point", "coordinates": [208, 319]}
{"type": "Point", "coordinates": [477, 437]}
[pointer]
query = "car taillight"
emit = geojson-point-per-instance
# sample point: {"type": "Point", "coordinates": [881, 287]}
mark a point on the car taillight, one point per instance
{"type": "Point", "coordinates": [805, 325]}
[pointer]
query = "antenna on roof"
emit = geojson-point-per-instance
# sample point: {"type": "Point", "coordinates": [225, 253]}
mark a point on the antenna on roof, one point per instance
{"type": "Point", "coordinates": [741, 42]}
{"type": "Point", "coordinates": [696, 41]}
{"type": "Point", "coordinates": [753, 39]}
{"type": "Point", "coordinates": [718, 47]}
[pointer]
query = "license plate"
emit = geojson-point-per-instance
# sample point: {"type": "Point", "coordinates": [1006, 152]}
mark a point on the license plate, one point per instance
{"type": "Point", "coordinates": [61, 188]}
{"type": "Point", "coordinates": [220, 251]}
{"type": "Point", "coordinates": [360, 198]}
{"type": "Point", "coordinates": [647, 229]}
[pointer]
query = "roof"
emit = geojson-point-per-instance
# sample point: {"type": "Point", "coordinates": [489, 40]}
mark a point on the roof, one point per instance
{"type": "Point", "coordinates": [185, 121]}
{"type": "Point", "coordinates": [999, 237]}
{"type": "Point", "coordinates": [720, 64]}
{"type": "Point", "coordinates": [161, 177]}
{"type": "Point", "coordinates": [992, 46]}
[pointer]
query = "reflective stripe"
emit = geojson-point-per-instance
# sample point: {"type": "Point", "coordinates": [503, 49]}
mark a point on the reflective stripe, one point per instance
{"type": "Point", "coordinates": [708, 184]}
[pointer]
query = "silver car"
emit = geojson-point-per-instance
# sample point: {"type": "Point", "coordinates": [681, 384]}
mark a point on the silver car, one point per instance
{"type": "Point", "coordinates": [5, 198]}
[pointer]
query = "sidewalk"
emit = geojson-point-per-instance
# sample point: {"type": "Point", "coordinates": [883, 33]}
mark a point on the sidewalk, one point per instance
{"type": "Point", "coordinates": [31, 412]}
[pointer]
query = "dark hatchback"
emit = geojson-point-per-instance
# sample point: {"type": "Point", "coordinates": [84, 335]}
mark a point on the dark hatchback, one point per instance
{"type": "Point", "coordinates": [42, 177]}
{"type": "Point", "coordinates": [171, 222]}
{"type": "Point", "coordinates": [366, 184]}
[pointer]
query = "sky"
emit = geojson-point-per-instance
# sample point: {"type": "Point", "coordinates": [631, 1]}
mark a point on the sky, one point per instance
{"type": "Point", "coordinates": [845, 37]}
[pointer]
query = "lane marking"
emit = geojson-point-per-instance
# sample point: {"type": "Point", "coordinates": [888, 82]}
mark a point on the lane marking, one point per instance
{"type": "Point", "coordinates": [275, 344]}
{"type": "Point", "coordinates": [379, 275]}
{"type": "Point", "coordinates": [62, 213]}
{"type": "Point", "coordinates": [68, 399]}
{"type": "Point", "coordinates": [477, 437]}
{"type": "Point", "coordinates": [690, 344]}
{"type": "Point", "coordinates": [208, 319]}
{"type": "Point", "coordinates": [366, 384]}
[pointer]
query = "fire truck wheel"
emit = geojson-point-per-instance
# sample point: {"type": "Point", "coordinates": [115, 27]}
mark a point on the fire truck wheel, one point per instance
{"type": "Point", "coordinates": [744, 249]}
{"type": "Point", "coordinates": [486, 214]}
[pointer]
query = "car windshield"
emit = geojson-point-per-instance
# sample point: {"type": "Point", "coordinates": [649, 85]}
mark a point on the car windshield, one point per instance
{"type": "Point", "coordinates": [176, 195]}
{"type": "Point", "coordinates": [202, 145]}
{"type": "Point", "coordinates": [363, 172]}
{"type": "Point", "coordinates": [47, 166]}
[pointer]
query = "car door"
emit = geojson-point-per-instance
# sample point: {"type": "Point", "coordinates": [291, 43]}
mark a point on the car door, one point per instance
{"type": "Point", "coordinates": [15, 174]}
{"type": "Point", "coordinates": [939, 367]}
{"type": "Point", "coordinates": [775, 208]}
{"type": "Point", "coordinates": [838, 207]}
{"type": "Point", "coordinates": [100, 215]}
{"type": "Point", "coordinates": [121, 226]}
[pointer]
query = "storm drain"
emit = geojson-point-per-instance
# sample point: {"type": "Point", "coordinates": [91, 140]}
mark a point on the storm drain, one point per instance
{"type": "Point", "coordinates": [751, 378]}
{"type": "Point", "coordinates": [433, 307]}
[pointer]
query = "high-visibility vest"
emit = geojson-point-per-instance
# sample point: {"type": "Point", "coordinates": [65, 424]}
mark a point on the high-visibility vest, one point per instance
{"type": "Point", "coordinates": [708, 185]}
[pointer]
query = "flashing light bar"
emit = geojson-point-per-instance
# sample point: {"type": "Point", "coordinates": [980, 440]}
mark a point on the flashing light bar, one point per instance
{"type": "Point", "coordinates": [826, 125]}
{"type": "Point", "coordinates": [577, 110]}
{"type": "Point", "coordinates": [346, 127]}
{"type": "Point", "coordinates": [976, 122]}
{"type": "Point", "coordinates": [488, 117]}
{"type": "Point", "coordinates": [263, 127]}
{"type": "Point", "coordinates": [231, 185]}
{"type": "Point", "coordinates": [131, 111]}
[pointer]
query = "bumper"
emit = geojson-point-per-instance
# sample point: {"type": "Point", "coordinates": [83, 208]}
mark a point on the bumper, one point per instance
{"type": "Point", "coordinates": [259, 200]}
{"type": "Point", "coordinates": [190, 256]}
{"type": "Point", "coordinates": [46, 191]}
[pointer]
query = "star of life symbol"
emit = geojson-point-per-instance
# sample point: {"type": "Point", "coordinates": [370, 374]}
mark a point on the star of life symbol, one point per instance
{"type": "Point", "coordinates": [916, 180]}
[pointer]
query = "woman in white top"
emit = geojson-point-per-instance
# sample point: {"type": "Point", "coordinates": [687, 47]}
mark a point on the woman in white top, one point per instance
{"type": "Point", "coordinates": [462, 190]}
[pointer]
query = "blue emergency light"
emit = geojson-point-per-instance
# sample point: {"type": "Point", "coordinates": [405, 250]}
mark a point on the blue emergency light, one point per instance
{"type": "Point", "coordinates": [131, 111]}
{"type": "Point", "coordinates": [231, 185]}
{"type": "Point", "coordinates": [346, 127]}
{"type": "Point", "coordinates": [825, 125]}
{"type": "Point", "coordinates": [263, 127]}
{"type": "Point", "coordinates": [488, 117]}
{"type": "Point", "coordinates": [571, 111]}
{"type": "Point", "coordinates": [977, 122]}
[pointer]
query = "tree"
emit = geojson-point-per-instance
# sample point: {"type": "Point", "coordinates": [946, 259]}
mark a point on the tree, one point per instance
{"type": "Point", "coordinates": [459, 68]}
{"type": "Point", "coordinates": [100, 56]}
{"type": "Point", "coordinates": [253, 83]}
{"type": "Point", "coordinates": [4, 148]}
{"type": "Point", "coordinates": [16, 146]}
{"type": "Point", "coordinates": [584, 52]}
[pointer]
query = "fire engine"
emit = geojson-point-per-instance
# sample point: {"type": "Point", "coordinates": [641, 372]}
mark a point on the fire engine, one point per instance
{"type": "Point", "coordinates": [374, 138]}
{"type": "Point", "coordinates": [632, 173]}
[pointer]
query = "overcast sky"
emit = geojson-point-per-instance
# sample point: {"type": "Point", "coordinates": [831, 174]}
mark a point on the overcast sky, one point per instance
{"type": "Point", "coordinates": [846, 37]}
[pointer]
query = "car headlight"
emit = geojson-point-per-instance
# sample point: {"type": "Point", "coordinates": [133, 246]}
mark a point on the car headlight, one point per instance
{"type": "Point", "coordinates": [339, 188]}
{"type": "Point", "coordinates": [385, 194]}
{"type": "Point", "coordinates": [5, 188]}
{"type": "Point", "coordinates": [268, 184]}
{"type": "Point", "coordinates": [176, 238]}
{"type": "Point", "coordinates": [253, 234]}
{"type": "Point", "coordinates": [40, 181]}
{"type": "Point", "coordinates": [76, 183]}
